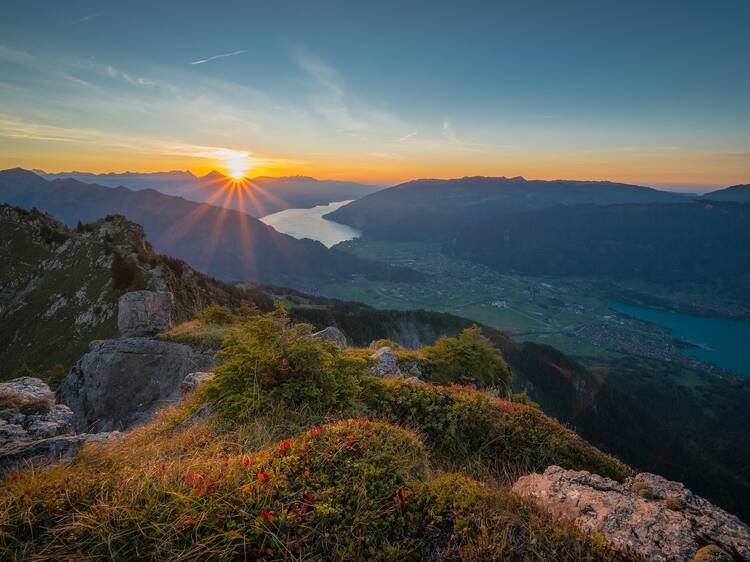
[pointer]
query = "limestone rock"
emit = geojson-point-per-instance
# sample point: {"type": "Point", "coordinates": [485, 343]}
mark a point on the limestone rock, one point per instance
{"type": "Point", "coordinates": [144, 312]}
{"type": "Point", "coordinates": [120, 383]}
{"type": "Point", "coordinates": [28, 412]}
{"type": "Point", "coordinates": [192, 381]}
{"type": "Point", "coordinates": [332, 334]}
{"type": "Point", "coordinates": [414, 380]}
{"type": "Point", "coordinates": [385, 363]}
{"type": "Point", "coordinates": [27, 389]}
{"type": "Point", "coordinates": [649, 516]}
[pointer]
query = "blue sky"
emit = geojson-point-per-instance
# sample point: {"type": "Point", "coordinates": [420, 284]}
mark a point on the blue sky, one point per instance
{"type": "Point", "coordinates": [649, 92]}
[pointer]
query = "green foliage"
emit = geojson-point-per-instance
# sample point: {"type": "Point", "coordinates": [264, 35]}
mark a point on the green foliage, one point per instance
{"type": "Point", "coordinates": [267, 358]}
{"type": "Point", "coordinates": [465, 426]}
{"type": "Point", "coordinates": [469, 358]}
{"type": "Point", "coordinates": [126, 274]}
{"type": "Point", "coordinates": [217, 315]}
{"type": "Point", "coordinates": [523, 398]}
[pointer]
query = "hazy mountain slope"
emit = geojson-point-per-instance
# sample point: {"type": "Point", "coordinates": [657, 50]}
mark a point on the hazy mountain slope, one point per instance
{"type": "Point", "coordinates": [221, 242]}
{"type": "Point", "coordinates": [59, 287]}
{"type": "Point", "coordinates": [426, 209]}
{"type": "Point", "coordinates": [739, 193]}
{"type": "Point", "coordinates": [256, 196]}
{"type": "Point", "coordinates": [697, 242]}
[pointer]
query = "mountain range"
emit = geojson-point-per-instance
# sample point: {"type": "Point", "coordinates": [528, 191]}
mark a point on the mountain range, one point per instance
{"type": "Point", "coordinates": [431, 209]}
{"type": "Point", "coordinates": [738, 193]}
{"type": "Point", "coordinates": [258, 196]}
{"type": "Point", "coordinates": [699, 241]}
{"type": "Point", "coordinates": [227, 244]}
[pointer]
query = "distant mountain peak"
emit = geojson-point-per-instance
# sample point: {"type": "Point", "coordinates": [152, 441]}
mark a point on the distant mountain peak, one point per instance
{"type": "Point", "coordinates": [214, 175]}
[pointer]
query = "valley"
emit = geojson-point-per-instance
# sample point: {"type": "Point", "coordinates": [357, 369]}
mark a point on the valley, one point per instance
{"type": "Point", "coordinates": [569, 314]}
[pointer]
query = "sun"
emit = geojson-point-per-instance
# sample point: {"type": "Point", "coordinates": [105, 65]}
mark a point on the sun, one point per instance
{"type": "Point", "coordinates": [237, 168]}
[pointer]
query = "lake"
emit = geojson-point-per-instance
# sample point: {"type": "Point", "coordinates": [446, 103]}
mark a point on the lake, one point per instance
{"type": "Point", "coordinates": [725, 343]}
{"type": "Point", "coordinates": [309, 223]}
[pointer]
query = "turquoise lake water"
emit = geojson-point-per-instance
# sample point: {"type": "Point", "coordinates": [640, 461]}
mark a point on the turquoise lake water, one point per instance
{"type": "Point", "coordinates": [309, 223]}
{"type": "Point", "coordinates": [723, 342]}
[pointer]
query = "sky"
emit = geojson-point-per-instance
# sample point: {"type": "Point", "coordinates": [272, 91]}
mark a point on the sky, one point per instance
{"type": "Point", "coordinates": [651, 92]}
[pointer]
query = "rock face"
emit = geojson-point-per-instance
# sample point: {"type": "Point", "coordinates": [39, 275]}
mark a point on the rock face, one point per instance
{"type": "Point", "coordinates": [192, 381]}
{"type": "Point", "coordinates": [333, 334]}
{"type": "Point", "coordinates": [386, 363]}
{"type": "Point", "coordinates": [120, 383]}
{"type": "Point", "coordinates": [649, 516]}
{"type": "Point", "coordinates": [27, 389]}
{"type": "Point", "coordinates": [144, 312]}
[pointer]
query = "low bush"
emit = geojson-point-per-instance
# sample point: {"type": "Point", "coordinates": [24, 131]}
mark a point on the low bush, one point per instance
{"type": "Point", "coordinates": [465, 426]}
{"type": "Point", "coordinates": [268, 359]}
{"type": "Point", "coordinates": [216, 315]}
{"type": "Point", "coordinates": [469, 358]}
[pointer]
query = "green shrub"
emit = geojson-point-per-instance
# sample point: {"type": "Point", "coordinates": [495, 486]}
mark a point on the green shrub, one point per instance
{"type": "Point", "coordinates": [464, 426]}
{"type": "Point", "coordinates": [269, 359]}
{"type": "Point", "coordinates": [523, 398]}
{"type": "Point", "coordinates": [216, 315]}
{"type": "Point", "coordinates": [469, 358]}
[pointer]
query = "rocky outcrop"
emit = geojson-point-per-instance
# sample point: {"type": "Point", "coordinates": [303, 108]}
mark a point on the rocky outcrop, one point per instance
{"type": "Point", "coordinates": [144, 312]}
{"type": "Point", "coordinates": [28, 412]}
{"type": "Point", "coordinates": [120, 383]}
{"type": "Point", "coordinates": [33, 428]}
{"type": "Point", "coordinates": [52, 449]}
{"type": "Point", "coordinates": [26, 389]}
{"type": "Point", "coordinates": [386, 363]}
{"type": "Point", "coordinates": [192, 381]}
{"type": "Point", "coordinates": [649, 516]}
{"type": "Point", "coordinates": [332, 334]}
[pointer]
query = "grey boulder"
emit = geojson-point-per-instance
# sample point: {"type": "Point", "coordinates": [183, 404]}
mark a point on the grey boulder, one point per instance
{"type": "Point", "coordinates": [386, 363]}
{"type": "Point", "coordinates": [120, 383]}
{"type": "Point", "coordinates": [332, 334]}
{"type": "Point", "coordinates": [144, 312]}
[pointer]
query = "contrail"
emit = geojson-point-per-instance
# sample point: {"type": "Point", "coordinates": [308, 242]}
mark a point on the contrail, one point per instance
{"type": "Point", "coordinates": [209, 59]}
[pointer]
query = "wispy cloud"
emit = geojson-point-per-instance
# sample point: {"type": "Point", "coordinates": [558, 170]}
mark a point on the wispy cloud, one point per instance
{"type": "Point", "coordinates": [221, 56]}
{"type": "Point", "coordinates": [448, 131]}
{"type": "Point", "coordinates": [85, 18]}
{"type": "Point", "coordinates": [332, 99]}
{"type": "Point", "coordinates": [14, 55]}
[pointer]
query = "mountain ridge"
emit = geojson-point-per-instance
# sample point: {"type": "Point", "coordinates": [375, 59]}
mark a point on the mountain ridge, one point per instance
{"type": "Point", "coordinates": [221, 242]}
{"type": "Point", "coordinates": [257, 196]}
{"type": "Point", "coordinates": [428, 208]}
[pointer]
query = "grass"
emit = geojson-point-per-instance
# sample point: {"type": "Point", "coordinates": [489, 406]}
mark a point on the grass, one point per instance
{"type": "Point", "coordinates": [197, 334]}
{"type": "Point", "coordinates": [380, 469]}
{"type": "Point", "coordinates": [345, 490]}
